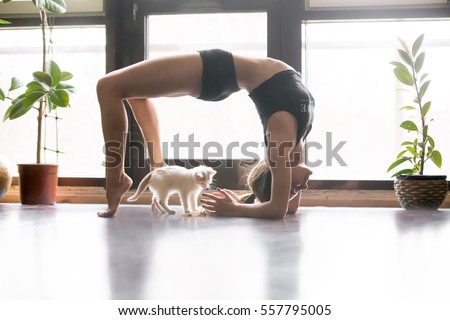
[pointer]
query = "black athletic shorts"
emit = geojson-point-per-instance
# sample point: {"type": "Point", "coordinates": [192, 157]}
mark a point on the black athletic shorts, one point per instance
{"type": "Point", "coordinates": [219, 75]}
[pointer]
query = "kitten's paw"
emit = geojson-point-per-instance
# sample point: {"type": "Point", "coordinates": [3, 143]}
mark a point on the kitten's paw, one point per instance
{"type": "Point", "coordinates": [171, 212]}
{"type": "Point", "coordinates": [195, 213]}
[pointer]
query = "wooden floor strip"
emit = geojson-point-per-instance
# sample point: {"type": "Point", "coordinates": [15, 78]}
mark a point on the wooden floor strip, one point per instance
{"type": "Point", "coordinates": [332, 198]}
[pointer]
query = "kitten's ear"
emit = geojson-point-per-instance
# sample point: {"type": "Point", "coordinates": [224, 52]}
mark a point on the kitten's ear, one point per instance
{"type": "Point", "coordinates": [199, 175]}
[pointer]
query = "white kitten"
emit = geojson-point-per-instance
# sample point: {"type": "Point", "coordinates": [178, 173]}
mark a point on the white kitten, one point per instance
{"type": "Point", "coordinates": [167, 180]}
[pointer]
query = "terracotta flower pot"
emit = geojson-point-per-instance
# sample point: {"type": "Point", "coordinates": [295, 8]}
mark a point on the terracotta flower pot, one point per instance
{"type": "Point", "coordinates": [5, 179]}
{"type": "Point", "coordinates": [38, 183]}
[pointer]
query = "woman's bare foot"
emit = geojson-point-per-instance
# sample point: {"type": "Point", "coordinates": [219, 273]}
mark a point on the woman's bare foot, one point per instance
{"type": "Point", "coordinates": [114, 194]}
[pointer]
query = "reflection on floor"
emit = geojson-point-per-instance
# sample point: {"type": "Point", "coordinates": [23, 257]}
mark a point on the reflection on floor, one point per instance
{"type": "Point", "coordinates": [66, 252]}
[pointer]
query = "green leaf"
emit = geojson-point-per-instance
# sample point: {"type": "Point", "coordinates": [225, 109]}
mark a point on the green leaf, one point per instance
{"type": "Point", "coordinates": [419, 62]}
{"type": "Point", "coordinates": [15, 84]}
{"type": "Point", "coordinates": [60, 98]}
{"type": "Point", "coordinates": [417, 44]}
{"type": "Point", "coordinates": [425, 131]}
{"type": "Point", "coordinates": [424, 88]}
{"type": "Point", "coordinates": [423, 77]}
{"type": "Point", "coordinates": [397, 163]}
{"type": "Point", "coordinates": [431, 141]}
{"type": "Point", "coordinates": [50, 106]}
{"type": "Point", "coordinates": [426, 107]}
{"type": "Point", "coordinates": [405, 57]}
{"type": "Point", "coordinates": [55, 72]}
{"type": "Point", "coordinates": [404, 171]}
{"type": "Point", "coordinates": [436, 157]}
{"type": "Point", "coordinates": [429, 151]}
{"type": "Point", "coordinates": [409, 125]}
{"type": "Point", "coordinates": [53, 6]}
{"type": "Point", "coordinates": [6, 1]}
{"type": "Point", "coordinates": [66, 76]}
{"type": "Point", "coordinates": [35, 84]}
{"type": "Point", "coordinates": [18, 109]}
{"type": "Point", "coordinates": [404, 76]}
{"type": "Point", "coordinates": [56, 6]}
{"type": "Point", "coordinates": [401, 154]}
{"type": "Point", "coordinates": [8, 111]}
{"type": "Point", "coordinates": [404, 45]}
{"type": "Point", "coordinates": [18, 98]}
{"type": "Point", "coordinates": [412, 151]}
{"type": "Point", "coordinates": [32, 98]}
{"type": "Point", "coordinates": [4, 22]}
{"type": "Point", "coordinates": [39, 4]}
{"type": "Point", "coordinates": [67, 87]}
{"type": "Point", "coordinates": [2, 95]}
{"type": "Point", "coordinates": [398, 64]}
{"type": "Point", "coordinates": [35, 89]}
{"type": "Point", "coordinates": [408, 108]}
{"type": "Point", "coordinates": [43, 78]}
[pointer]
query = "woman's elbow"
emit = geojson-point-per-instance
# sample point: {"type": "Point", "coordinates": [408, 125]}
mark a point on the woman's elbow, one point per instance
{"type": "Point", "coordinates": [278, 213]}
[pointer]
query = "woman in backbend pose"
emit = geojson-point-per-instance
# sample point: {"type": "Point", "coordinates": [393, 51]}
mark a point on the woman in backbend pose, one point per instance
{"type": "Point", "coordinates": [284, 105]}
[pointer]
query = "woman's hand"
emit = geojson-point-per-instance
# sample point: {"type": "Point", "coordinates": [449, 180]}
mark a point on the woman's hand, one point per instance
{"type": "Point", "coordinates": [223, 202]}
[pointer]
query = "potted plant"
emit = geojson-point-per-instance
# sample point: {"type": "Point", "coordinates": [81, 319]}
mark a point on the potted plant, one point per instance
{"type": "Point", "coordinates": [44, 94]}
{"type": "Point", "coordinates": [415, 190]}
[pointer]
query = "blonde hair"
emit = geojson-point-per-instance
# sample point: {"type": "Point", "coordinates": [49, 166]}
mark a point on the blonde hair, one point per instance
{"type": "Point", "coordinates": [259, 181]}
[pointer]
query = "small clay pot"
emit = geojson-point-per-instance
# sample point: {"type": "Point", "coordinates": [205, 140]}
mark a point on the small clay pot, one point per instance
{"type": "Point", "coordinates": [38, 183]}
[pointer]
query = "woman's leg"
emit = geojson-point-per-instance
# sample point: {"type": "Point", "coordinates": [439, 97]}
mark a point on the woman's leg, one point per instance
{"type": "Point", "coordinates": [171, 76]}
{"type": "Point", "coordinates": [115, 127]}
{"type": "Point", "coordinates": [145, 114]}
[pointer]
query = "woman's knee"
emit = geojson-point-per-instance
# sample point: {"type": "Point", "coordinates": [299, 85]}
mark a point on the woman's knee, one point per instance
{"type": "Point", "coordinates": [107, 88]}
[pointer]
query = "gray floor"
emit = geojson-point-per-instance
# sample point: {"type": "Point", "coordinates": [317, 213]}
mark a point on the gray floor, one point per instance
{"type": "Point", "coordinates": [66, 252]}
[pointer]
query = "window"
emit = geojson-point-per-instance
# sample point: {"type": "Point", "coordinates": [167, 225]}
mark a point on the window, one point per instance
{"type": "Point", "coordinates": [221, 130]}
{"type": "Point", "coordinates": [355, 3]}
{"type": "Point", "coordinates": [80, 50]}
{"type": "Point", "coordinates": [73, 6]}
{"type": "Point", "coordinates": [346, 66]}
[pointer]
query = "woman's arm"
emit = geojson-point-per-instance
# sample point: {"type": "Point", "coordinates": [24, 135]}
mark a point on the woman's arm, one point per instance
{"type": "Point", "coordinates": [221, 204]}
{"type": "Point", "coordinates": [294, 203]}
{"type": "Point", "coordinates": [281, 141]}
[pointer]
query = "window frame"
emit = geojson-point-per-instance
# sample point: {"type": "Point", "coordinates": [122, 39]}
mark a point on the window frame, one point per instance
{"type": "Point", "coordinates": [22, 21]}
{"type": "Point", "coordinates": [285, 19]}
{"type": "Point", "coordinates": [307, 14]}
{"type": "Point", "coordinates": [138, 27]}
{"type": "Point", "coordinates": [76, 7]}
{"type": "Point", "coordinates": [284, 41]}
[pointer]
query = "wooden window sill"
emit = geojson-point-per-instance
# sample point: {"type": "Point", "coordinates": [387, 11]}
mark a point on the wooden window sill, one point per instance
{"type": "Point", "coordinates": [323, 197]}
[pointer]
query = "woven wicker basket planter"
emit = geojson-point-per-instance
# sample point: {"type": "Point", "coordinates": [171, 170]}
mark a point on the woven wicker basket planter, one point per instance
{"type": "Point", "coordinates": [415, 193]}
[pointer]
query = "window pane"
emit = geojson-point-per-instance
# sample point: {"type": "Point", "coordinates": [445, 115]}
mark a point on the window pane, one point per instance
{"type": "Point", "coordinates": [357, 99]}
{"type": "Point", "coordinates": [26, 6]}
{"type": "Point", "coordinates": [80, 51]}
{"type": "Point", "coordinates": [356, 3]}
{"type": "Point", "coordinates": [222, 129]}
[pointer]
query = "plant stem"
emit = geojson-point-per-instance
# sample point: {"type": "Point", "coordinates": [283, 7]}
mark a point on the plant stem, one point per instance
{"type": "Point", "coordinates": [41, 111]}
{"type": "Point", "coordinates": [421, 132]}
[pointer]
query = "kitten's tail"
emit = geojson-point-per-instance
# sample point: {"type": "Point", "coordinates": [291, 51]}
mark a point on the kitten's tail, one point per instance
{"type": "Point", "coordinates": [141, 188]}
